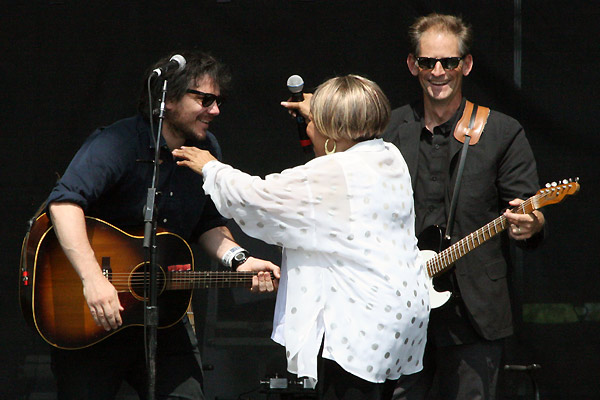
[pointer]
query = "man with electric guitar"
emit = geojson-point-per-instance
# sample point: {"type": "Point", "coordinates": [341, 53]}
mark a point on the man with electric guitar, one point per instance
{"type": "Point", "coordinates": [498, 171]}
{"type": "Point", "coordinates": [108, 179]}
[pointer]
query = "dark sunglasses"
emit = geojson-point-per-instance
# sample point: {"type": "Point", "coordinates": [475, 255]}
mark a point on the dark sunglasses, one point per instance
{"type": "Point", "coordinates": [207, 98]}
{"type": "Point", "coordinates": [447, 63]}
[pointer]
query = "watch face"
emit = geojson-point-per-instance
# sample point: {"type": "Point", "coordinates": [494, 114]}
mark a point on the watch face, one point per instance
{"type": "Point", "coordinates": [239, 259]}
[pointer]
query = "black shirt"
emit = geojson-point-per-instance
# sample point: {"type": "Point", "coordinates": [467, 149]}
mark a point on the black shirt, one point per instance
{"type": "Point", "coordinates": [110, 175]}
{"type": "Point", "coordinates": [431, 189]}
{"type": "Point", "coordinates": [431, 185]}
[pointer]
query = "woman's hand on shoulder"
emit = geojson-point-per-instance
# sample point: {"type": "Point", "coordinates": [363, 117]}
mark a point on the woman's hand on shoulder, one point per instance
{"type": "Point", "coordinates": [193, 158]}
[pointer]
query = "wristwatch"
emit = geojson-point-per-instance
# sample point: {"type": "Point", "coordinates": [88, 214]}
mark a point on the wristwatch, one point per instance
{"type": "Point", "coordinates": [233, 254]}
{"type": "Point", "coordinates": [239, 258]}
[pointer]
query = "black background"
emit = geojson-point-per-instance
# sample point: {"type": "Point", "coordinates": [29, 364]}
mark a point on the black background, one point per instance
{"type": "Point", "coordinates": [69, 66]}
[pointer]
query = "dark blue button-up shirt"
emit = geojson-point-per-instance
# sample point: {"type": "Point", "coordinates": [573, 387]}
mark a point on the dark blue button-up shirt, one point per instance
{"type": "Point", "coordinates": [110, 175]}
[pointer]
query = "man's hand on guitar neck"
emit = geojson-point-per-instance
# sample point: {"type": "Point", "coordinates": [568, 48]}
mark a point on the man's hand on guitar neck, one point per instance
{"type": "Point", "coordinates": [523, 226]}
{"type": "Point", "coordinates": [219, 241]}
{"type": "Point", "coordinates": [262, 282]}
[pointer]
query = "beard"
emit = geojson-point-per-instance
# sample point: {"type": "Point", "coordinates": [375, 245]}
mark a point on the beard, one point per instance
{"type": "Point", "coordinates": [183, 128]}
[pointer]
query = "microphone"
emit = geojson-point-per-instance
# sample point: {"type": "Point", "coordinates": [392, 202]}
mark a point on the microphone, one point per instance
{"type": "Point", "coordinates": [176, 62]}
{"type": "Point", "coordinates": [295, 85]}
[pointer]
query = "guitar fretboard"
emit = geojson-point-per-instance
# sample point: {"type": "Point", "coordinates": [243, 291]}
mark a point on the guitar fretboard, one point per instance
{"type": "Point", "coordinates": [446, 258]}
{"type": "Point", "coordinates": [204, 280]}
{"type": "Point", "coordinates": [185, 280]}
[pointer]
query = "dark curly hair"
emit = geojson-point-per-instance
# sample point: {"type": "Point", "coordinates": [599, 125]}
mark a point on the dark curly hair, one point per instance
{"type": "Point", "coordinates": [198, 66]}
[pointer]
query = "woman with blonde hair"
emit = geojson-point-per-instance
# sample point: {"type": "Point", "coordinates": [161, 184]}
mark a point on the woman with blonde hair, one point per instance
{"type": "Point", "coordinates": [352, 306]}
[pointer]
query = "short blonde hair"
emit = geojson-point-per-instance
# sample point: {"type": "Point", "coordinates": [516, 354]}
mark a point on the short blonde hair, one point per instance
{"type": "Point", "coordinates": [350, 107]}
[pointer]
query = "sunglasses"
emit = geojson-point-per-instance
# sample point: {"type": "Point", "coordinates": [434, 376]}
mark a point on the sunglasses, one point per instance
{"type": "Point", "coordinates": [447, 63]}
{"type": "Point", "coordinates": [207, 98]}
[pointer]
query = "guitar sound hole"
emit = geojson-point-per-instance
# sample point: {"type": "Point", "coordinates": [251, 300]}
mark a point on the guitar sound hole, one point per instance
{"type": "Point", "coordinates": [139, 281]}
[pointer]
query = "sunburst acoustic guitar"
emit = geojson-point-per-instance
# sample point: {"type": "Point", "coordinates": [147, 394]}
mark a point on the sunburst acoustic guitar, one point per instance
{"type": "Point", "coordinates": [51, 293]}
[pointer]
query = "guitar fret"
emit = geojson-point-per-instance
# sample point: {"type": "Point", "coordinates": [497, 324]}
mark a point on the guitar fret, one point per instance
{"type": "Point", "coordinates": [204, 280]}
{"type": "Point", "coordinates": [435, 266]}
{"type": "Point", "coordinates": [451, 255]}
{"type": "Point", "coordinates": [444, 257]}
{"type": "Point", "coordinates": [436, 270]}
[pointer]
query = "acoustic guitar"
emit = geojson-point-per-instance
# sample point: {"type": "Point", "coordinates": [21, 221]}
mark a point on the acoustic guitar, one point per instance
{"type": "Point", "coordinates": [432, 241]}
{"type": "Point", "coordinates": [51, 293]}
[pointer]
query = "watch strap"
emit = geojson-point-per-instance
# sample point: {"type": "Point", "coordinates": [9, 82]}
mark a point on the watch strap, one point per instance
{"type": "Point", "coordinates": [239, 258]}
{"type": "Point", "coordinates": [228, 257]}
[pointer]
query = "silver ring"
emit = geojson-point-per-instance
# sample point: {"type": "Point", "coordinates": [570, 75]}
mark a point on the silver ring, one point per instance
{"type": "Point", "coordinates": [518, 229]}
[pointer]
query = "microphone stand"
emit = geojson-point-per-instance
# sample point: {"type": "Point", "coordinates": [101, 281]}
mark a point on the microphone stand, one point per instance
{"type": "Point", "coordinates": [149, 243]}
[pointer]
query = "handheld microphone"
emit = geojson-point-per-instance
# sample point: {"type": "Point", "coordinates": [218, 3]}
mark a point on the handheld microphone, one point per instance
{"type": "Point", "coordinates": [176, 62]}
{"type": "Point", "coordinates": [295, 85]}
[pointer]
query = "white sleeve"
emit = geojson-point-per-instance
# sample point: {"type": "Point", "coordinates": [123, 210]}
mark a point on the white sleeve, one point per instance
{"type": "Point", "coordinates": [282, 209]}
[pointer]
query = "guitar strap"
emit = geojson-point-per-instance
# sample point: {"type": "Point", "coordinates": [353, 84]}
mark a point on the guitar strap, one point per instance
{"type": "Point", "coordinates": [467, 133]}
{"type": "Point", "coordinates": [471, 123]}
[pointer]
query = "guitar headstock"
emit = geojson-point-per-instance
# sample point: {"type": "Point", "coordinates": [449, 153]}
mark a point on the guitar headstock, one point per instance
{"type": "Point", "coordinates": [555, 192]}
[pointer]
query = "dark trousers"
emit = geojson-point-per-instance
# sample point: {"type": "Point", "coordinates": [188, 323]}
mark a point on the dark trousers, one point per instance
{"type": "Point", "coordinates": [335, 383]}
{"type": "Point", "coordinates": [97, 372]}
{"type": "Point", "coordinates": [458, 362]}
{"type": "Point", "coordinates": [467, 371]}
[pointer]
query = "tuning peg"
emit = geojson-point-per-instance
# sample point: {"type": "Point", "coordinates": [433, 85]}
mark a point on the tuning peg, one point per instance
{"type": "Point", "coordinates": [554, 184]}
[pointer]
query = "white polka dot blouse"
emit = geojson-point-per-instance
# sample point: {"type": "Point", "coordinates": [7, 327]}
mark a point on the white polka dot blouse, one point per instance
{"type": "Point", "coordinates": [351, 278]}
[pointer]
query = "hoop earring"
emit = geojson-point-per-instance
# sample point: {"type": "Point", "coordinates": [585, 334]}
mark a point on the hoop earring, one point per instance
{"type": "Point", "coordinates": [327, 151]}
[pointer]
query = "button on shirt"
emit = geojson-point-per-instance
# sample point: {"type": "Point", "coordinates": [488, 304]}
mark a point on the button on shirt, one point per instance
{"type": "Point", "coordinates": [350, 275]}
{"type": "Point", "coordinates": [430, 195]}
{"type": "Point", "coordinates": [110, 175]}
{"type": "Point", "coordinates": [432, 172]}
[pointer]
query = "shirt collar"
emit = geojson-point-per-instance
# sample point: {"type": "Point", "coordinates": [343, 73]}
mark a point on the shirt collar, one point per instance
{"type": "Point", "coordinates": [445, 128]}
{"type": "Point", "coordinates": [376, 144]}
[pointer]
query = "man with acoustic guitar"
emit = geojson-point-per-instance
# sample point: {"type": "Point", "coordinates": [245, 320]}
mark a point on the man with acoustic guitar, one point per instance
{"type": "Point", "coordinates": [109, 179]}
{"type": "Point", "coordinates": [465, 336]}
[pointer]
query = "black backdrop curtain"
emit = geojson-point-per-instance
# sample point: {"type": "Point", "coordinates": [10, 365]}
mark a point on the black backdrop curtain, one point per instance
{"type": "Point", "coordinates": [69, 66]}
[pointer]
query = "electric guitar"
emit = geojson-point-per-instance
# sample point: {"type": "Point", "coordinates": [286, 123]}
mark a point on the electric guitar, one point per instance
{"type": "Point", "coordinates": [436, 264]}
{"type": "Point", "coordinates": [51, 292]}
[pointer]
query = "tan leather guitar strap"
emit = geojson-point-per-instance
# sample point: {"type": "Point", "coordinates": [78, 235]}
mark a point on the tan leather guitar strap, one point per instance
{"type": "Point", "coordinates": [471, 123]}
{"type": "Point", "coordinates": [467, 131]}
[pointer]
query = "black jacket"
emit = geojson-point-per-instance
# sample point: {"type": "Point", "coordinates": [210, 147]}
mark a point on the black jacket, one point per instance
{"type": "Point", "coordinates": [499, 168]}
